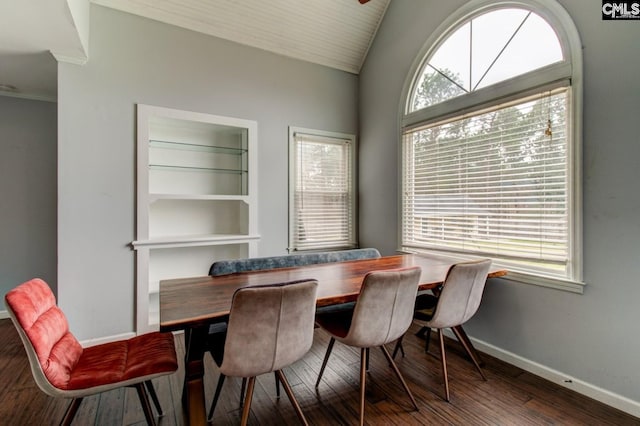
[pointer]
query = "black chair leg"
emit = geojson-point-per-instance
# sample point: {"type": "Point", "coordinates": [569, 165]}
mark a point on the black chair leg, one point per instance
{"type": "Point", "coordinates": [363, 381]}
{"type": "Point", "coordinates": [243, 388]}
{"type": "Point", "coordinates": [367, 359]}
{"type": "Point", "coordinates": [275, 373]}
{"type": "Point", "coordinates": [146, 405]}
{"type": "Point", "coordinates": [425, 333]}
{"type": "Point", "coordinates": [420, 333]}
{"type": "Point", "coordinates": [216, 396]}
{"type": "Point", "coordinates": [398, 347]}
{"type": "Point", "coordinates": [72, 409]}
{"type": "Point", "coordinates": [427, 338]}
{"type": "Point", "coordinates": [154, 397]}
{"type": "Point", "coordinates": [326, 358]}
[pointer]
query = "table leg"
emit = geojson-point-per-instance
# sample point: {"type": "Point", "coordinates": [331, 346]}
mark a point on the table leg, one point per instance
{"type": "Point", "coordinates": [193, 391]}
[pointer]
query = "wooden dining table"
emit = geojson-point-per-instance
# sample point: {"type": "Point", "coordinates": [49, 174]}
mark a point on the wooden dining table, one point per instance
{"type": "Point", "coordinates": [193, 304]}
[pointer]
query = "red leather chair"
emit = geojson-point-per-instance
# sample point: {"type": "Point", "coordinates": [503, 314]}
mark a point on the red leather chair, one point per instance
{"type": "Point", "coordinates": [61, 367]}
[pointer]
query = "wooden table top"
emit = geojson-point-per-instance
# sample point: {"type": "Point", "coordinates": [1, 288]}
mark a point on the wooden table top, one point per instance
{"type": "Point", "coordinates": [188, 302]}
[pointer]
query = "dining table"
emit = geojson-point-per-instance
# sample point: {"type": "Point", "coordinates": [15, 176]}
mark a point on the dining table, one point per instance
{"type": "Point", "coordinates": [193, 304]}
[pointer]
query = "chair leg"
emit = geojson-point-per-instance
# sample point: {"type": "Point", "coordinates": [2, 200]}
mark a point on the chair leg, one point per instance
{"type": "Point", "coordinates": [398, 347]}
{"type": "Point", "coordinates": [146, 406]}
{"type": "Point", "coordinates": [287, 389]}
{"type": "Point", "coordinates": [367, 359]}
{"type": "Point", "coordinates": [154, 397]}
{"type": "Point", "coordinates": [425, 333]}
{"type": "Point", "coordinates": [363, 381]}
{"type": "Point", "coordinates": [214, 402]}
{"type": "Point", "coordinates": [444, 365]}
{"type": "Point", "coordinates": [247, 401]}
{"type": "Point", "coordinates": [243, 388]}
{"type": "Point", "coordinates": [72, 409]}
{"type": "Point", "coordinates": [427, 339]}
{"type": "Point", "coordinates": [469, 351]}
{"type": "Point", "coordinates": [463, 338]}
{"type": "Point", "coordinates": [326, 358]}
{"type": "Point", "coordinates": [275, 373]}
{"type": "Point", "coordinates": [397, 371]}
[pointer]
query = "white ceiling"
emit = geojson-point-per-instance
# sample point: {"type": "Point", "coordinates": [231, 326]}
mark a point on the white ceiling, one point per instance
{"type": "Point", "coordinates": [335, 33]}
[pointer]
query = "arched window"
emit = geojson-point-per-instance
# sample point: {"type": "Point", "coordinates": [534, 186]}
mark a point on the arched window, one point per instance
{"type": "Point", "coordinates": [491, 141]}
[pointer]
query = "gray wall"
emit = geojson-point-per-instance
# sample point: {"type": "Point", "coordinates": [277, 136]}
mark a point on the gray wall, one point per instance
{"type": "Point", "coordinates": [134, 60]}
{"type": "Point", "coordinates": [28, 190]}
{"type": "Point", "coordinates": [592, 337]}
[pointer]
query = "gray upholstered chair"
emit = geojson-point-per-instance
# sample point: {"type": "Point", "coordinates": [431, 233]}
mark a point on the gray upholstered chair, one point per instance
{"type": "Point", "coordinates": [234, 266]}
{"type": "Point", "coordinates": [458, 301]}
{"type": "Point", "coordinates": [382, 313]}
{"type": "Point", "coordinates": [269, 328]}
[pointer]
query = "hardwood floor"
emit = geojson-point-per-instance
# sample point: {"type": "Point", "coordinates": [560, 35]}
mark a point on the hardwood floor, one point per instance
{"type": "Point", "coordinates": [511, 396]}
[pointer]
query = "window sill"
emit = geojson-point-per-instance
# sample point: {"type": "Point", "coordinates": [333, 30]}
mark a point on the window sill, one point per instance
{"type": "Point", "coordinates": [555, 283]}
{"type": "Point", "coordinates": [520, 277]}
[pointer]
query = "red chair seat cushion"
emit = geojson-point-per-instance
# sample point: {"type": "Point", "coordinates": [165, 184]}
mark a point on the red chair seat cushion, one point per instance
{"type": "Point", "coordinates": [148, 354]}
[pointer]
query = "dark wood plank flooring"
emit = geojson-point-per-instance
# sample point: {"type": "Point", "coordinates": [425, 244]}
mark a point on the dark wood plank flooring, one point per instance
{"type": "Point", "coordinates": [511, 396]}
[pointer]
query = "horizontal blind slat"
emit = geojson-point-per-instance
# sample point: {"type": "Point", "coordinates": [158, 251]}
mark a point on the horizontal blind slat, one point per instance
{"type": "Point", "coordinates": [494, 183]}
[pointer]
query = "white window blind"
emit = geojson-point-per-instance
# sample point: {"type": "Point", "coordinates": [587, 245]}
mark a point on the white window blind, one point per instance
{"type": "Point", "coordinates": [322, 204]}
{"type": "Point", "coordinates": [493, 183]}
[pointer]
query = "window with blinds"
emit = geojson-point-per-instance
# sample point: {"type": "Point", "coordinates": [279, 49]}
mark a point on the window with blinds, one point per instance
{"type": "Point", "coordinates": [321, 195]}
{"type": "Point", "coordinates": [493, 184]}
{"type": "Point", "coordinates": [491, 140]}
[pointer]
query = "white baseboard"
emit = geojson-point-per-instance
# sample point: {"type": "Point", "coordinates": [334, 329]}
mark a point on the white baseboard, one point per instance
{"type": "Point", "coordinates": [114, 338]}
{"type": "Point", "coordinates": [4, 315]}
{"type": "Point", "coordinates": [606, 397]}
{"type": "Point", "coordinates": [108, 339]}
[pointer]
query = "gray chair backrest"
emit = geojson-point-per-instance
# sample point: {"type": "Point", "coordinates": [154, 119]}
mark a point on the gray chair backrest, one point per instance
{"type": "Point", "coordinates": [223, 267]}
{"type": "Point", "coordinates": [269, 328]}
{"type": "Point", "coordinates": [461, 294]}
{"type": "Point", "coordinates": [384, 308]}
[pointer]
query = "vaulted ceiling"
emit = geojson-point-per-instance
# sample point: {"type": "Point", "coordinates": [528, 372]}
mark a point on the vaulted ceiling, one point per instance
{"type": "Point", "coordinates": [334, 33]}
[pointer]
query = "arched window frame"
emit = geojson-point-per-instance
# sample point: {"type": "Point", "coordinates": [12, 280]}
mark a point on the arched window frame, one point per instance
{"type": "Point", "coordinates": [565, 73]}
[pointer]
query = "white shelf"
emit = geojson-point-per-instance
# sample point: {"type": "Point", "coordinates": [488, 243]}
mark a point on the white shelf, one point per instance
{"type": "Point", "coordinates": [204, 197]}
{"type": "Point", "coordinates": [196, 198]}
{"type": "Point", "coordinates": [193, 240]}
{"type": "Point", "coordinates": [183, 146]}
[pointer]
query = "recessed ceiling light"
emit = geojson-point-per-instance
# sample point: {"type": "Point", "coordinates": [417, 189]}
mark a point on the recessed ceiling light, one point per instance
{"type": "Point", "coordinates": [8, 88]}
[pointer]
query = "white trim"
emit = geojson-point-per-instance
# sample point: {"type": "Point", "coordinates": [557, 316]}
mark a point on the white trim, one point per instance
{"type": "Point", "coordinates": [4, 314]}
{"type": "Point", "coordinates": [108, 339]}
{"type": "Point", "coordinates": [29, 96]}
{"type": "Point", "coordinates": [556, 75]}
{"type": "Point", "coordinates": [114, 338]}
{"type": "Point", "coordinates": [205, 240]}
{"type": "Point", "coordinates": [569, 38]}
{"type": "Point", "coordinates": [75, 60]}
{"type": "Point", "coordinates": [556, 283]}
{"type": "Point", "coordinates": [365, 54]}
{"type": "Point", "coordinates": [354, 183]}
{"type": "Point", "coordinates": [565, 380]}
{"type": "Point", "coordinates": [542, 281]}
